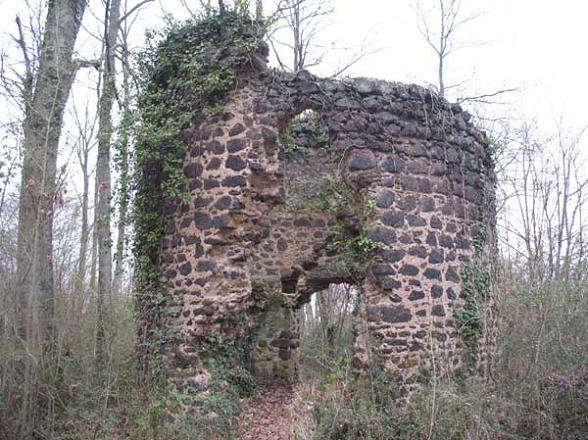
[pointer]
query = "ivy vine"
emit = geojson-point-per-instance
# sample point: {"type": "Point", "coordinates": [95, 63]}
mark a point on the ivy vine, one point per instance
{"type": "Point", "coordinates": [305, 131]}
{"type": "Point", "coordinates": [476, 288]}
{"type": "Point", "coordinates": [185, 73]}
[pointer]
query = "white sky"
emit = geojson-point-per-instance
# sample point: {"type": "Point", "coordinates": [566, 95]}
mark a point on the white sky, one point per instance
{"type": "Point", "coordinates": [537, 45]}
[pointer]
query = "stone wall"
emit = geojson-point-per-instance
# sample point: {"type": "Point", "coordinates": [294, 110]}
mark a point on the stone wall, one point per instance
{"type": "Point", "coordinates": [274, 347]}
{"type": "Point", "coordinates": [417, 180]}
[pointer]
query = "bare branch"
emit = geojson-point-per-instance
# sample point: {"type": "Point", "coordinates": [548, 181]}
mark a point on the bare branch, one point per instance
{"type": "Point", "coordinates": [439, 36]}
{"type": "Point", "coordinates": [25, 54]}
{"type": "Point", "coordinates": [484, 97]}
{"type": "Point", "coordinates": [133, 10]}
{"type": "Point", "coordinates": [357, 56]}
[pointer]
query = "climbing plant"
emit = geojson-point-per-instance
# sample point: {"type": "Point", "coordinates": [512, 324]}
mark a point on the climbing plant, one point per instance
{"type": "Point", "coordinates": [186, 72]}
{"type": "Point", "coordinates": [476, 278]}
{"type": "Point", "coordinates": [305, 131]}
{"type": "Point", "coordinates": [475, 290]}
{"type": "Point", "coordinates": [354, 250]}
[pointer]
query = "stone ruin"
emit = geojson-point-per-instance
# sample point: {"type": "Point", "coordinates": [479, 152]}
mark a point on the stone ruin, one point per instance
{"type": "Point", "coordinates": [300, 182]}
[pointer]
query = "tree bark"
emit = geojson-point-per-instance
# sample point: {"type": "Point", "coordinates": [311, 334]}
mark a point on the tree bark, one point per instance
{"type": "Point", "coordinates": [440, 72]}
{"type": "Point", "coordinates": [45, 93]}
{"type": "Point", "coordinates": [85, 229]}
{"type": "Point", "coordinates": [259, 10]}
{"type": "Point", "coordinates": [103, 179]}
{"type": "Point", "coordinates": [44, 108]}
{"type": "Point", "coordinates": [94, 251]}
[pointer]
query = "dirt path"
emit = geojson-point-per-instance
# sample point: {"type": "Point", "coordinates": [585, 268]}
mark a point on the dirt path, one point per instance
{"type": "Point", "coordinates": [267, 415]}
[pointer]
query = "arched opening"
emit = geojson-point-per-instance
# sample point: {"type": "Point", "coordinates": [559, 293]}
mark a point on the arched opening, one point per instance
{"type": "Point", "coordinates": [308, 162]}
{"type": "Point", "coordinates": [305, 131]}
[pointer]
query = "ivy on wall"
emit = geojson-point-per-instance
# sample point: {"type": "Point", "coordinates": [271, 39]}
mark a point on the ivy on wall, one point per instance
{"type": "Point", "coordinates": [476, 278]}
{"type": "Point", "coordinates": [185, 73]}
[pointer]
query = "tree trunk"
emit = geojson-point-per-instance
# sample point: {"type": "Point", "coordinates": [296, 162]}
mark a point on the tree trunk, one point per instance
{"type": "Point", "coordinates": [298, 44]}
{"type": "Point", "coordinates": [45, 97]}
{"type": "Point", "coordinates": [259, 10]}
{"type": "Point", "coordinates": [126, 122]}
{"type": "Point", "coordinates": [440, 71]}
{"type": "Point", "coordinates": [94, 254]}
{"type": "Point", "coordinates": [103, 179]}
{"type": "Point", "coordinates": [85, 233]}
{"type": "Point", "coordinates": [42, 130]}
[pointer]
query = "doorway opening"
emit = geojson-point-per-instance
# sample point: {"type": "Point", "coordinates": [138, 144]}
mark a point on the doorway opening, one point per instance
{"type": "Point", "coordinates": [326, 332]}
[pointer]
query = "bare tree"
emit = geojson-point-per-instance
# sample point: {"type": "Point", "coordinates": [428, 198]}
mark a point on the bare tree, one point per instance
{"type": "Point", "coordinates": [103, 177]}
{"type": "Point", "coordinates": [45, 93]}
{"type": "Point", "coordinates": [45, 89]}
{"type": "Point", "coordinates": [546, 190]}
{"type": "Point", "coordinates": [302, 19]}
{"type": "Point", "coordinates": [439, 33]}
{"type": "Point", "coordinates": [295, 28]}
{"type": "Point", "coordinates": [85, 124]}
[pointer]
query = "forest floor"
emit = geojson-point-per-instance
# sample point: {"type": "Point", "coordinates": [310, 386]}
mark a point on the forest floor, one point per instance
{"type": "Point", "coordinates": [267, 416]}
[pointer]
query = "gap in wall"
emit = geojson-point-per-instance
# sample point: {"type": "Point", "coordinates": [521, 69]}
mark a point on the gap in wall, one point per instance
{"type": "Point", "coordinates": [326, 332]}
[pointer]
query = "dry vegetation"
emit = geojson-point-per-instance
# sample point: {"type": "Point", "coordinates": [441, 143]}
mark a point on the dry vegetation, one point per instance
{"type": "Point", "coordinates": [83, 385]}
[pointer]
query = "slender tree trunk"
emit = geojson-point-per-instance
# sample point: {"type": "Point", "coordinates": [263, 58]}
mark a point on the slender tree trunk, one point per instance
{"type": "Point", "coordinates": [298, 48]}
{"type": "Point", "coordinates": [259, 10]}
{"type": "Point", "coordinates": [441, 79]}
{"type": "Point", "coordinates": [123, 153]}
{"type": "Point", "coordinates": [85, 234]}
{"type": "Point", "coordinates": [94, 252]}
{"type": "Point", "coordinates": [103, 179]}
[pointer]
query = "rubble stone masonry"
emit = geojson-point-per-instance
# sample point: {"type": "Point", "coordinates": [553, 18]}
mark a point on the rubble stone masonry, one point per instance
{"type": "Point", "coordinates": [255, 226]}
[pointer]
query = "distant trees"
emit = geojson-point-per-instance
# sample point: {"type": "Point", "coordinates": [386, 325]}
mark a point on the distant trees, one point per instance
{"type": "Point", "coordinates": [48, 276]}
{"type": "Point", "coordinates": [545, 191]}
{"type": "Point", "coordinates": [86, 130]}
